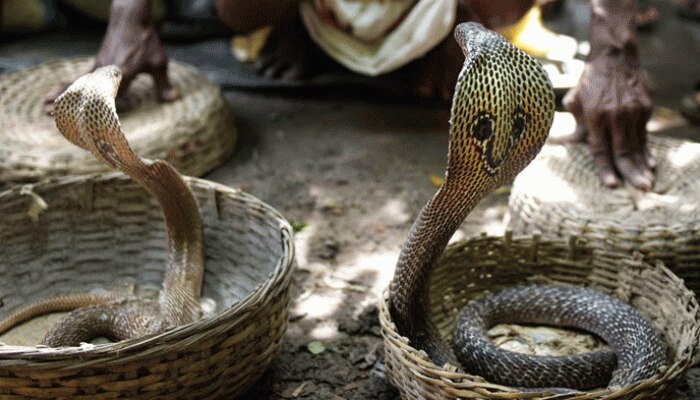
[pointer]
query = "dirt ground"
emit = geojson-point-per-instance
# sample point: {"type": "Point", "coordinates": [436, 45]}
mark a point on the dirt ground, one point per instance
{"type": "Point", "coordinates": [351, 172]}
{"type": "Point", "coordinates": [354, 177]}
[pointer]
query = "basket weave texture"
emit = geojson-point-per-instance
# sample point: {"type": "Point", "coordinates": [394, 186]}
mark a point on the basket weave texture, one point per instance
{"type": "Point", "coordinates": [470, 268]}
{"type": "Point", "coordinates": [559, 194]}
{"type": "Point", "coordinates": [104, 231]}
{"type": "Point", "coordinates": [196, 133]}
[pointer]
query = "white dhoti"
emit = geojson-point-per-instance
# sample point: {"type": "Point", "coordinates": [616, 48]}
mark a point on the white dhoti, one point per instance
{"type": "Point", "coordinates": [376, 37]}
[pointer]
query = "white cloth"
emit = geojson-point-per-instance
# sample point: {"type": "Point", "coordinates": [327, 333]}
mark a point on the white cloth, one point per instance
{"type": "Point", "coordinates": [423, 27]}
{"type": "Point", "coordinates": [368, 20]}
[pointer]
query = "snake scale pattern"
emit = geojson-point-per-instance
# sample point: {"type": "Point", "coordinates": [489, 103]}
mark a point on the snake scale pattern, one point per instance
{"type": "Point", "coordinates": [86, 115]}
{"type": "Point", "coordinates": [502, 111]}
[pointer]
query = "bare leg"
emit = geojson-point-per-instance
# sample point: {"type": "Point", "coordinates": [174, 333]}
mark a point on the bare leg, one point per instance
{"type": "Point", "coordinates": [611, 101]}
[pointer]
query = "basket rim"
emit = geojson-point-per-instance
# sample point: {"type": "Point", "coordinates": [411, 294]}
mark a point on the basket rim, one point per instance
{"type": "Point", "coordinates": [423, 368]}
{"type": "Point", "coordinates": [279, 277]}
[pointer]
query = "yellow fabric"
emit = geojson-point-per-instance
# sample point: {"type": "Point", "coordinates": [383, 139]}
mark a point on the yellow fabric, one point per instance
{"type": "Point", "coordinates": [531, 36]}
{"type": "Point", "coordinates": [247, 48]}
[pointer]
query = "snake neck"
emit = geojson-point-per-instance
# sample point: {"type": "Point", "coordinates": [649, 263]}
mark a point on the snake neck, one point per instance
{"type": "Point", "coordinates": [184, 268]}
{"type": "Point", "coordinates": [501, 112]}
{"type": "Point", "coordinates": [409, 293]}
{"type": "Point", "coordinates": [86, 115]}
{"type": "Point", "coordinates": [185, 264]}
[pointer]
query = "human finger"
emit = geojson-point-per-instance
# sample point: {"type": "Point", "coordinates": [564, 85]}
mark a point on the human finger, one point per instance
{"type": "Point", "coordinates": [600, 150]}
{"type": "Point", "coordinates": [623, 151]}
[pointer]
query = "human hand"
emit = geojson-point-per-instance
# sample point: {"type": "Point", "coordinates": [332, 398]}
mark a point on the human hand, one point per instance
{"type": "Point", "coordinates": [132, 44]}
{"type": "Point", "coordinates": [612, 106]}
{"type": "Point", "coordinates": [611, 102]}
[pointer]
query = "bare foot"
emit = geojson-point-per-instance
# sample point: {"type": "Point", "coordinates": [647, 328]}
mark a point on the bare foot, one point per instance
{"type": "Point", "coordinates": [436, 76]}
{"type": "Point", "coordinates": [288, 53]}
{"type": "Point", "coordinates": [437, 72]}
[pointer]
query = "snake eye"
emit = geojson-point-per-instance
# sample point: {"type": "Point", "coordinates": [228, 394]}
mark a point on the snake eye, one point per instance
{"type": "Point", "coordinates": [113, 71]}
{"type": "Point", "coordinates": [520, 120]}
{"type": "Point", "coordinates": [482, 127]}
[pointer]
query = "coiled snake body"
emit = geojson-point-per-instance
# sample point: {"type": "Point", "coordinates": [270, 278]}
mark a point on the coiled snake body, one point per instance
{"type": "Point", "coordinates": [86, 115]}
{"type": "Point", "coordinates": [501, 114]}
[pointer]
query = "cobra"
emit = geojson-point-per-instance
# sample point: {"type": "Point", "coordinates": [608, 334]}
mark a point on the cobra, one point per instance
{"type": "Point", "coordinates": [502, 111]}
{"type": "Point", "coordinates": [86, 115]}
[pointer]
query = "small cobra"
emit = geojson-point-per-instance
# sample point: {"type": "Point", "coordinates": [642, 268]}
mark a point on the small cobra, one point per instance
{"type": "Point", "coordinates": [86, 115]}
{"type": "Point", "coordinates": [502, 111]}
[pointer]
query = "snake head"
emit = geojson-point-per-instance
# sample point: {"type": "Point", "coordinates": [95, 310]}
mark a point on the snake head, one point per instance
{"type": "Point", "coordinates": [502, 110]}
{"type": "Point", "coordinates": [85, 113]}
{"type": "Point", "coordinates": [110, 76]}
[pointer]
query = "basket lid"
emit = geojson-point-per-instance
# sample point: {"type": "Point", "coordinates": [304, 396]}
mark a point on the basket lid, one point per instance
{"type": "Point", "coordinates": [564, 178]}
{"type": "Point", "coordinates": [195, 133]}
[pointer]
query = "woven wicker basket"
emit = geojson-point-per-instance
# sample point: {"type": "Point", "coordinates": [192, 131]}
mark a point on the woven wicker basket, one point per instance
{"type": "Point", "coordinates": [195, 134]}
{"type": "Point", "coordinates": [559, 194]}
{"type": "Point", "coordinates": [471, 267]}
{"type": "Point", "coordinates": [104, 231]}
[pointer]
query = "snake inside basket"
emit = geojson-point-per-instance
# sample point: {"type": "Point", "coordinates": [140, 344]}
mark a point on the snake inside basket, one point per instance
{"type": "Point", "coordinates": [502, 111]}
{"type": "Point", "coordinates": [86, 115]}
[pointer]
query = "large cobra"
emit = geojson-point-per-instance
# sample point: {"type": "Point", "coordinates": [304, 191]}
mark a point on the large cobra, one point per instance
{"type": "Point", "coordinates": [502, 111]}
{"type": "Point", "coordinates": [86, 115]}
